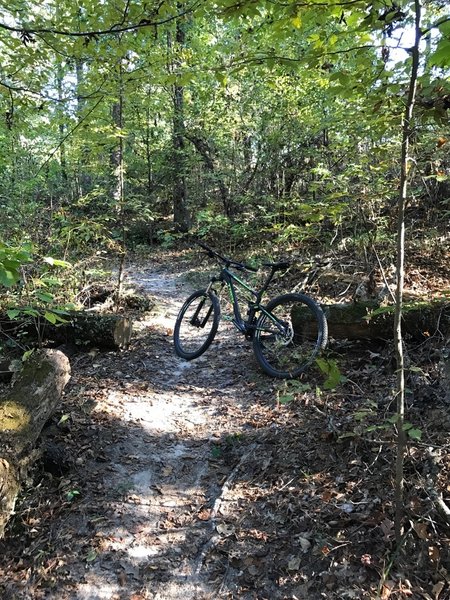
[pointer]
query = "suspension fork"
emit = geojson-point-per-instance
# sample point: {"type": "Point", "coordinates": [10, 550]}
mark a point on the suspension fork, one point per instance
{"type": "Point", "coordinates": [194, 319]}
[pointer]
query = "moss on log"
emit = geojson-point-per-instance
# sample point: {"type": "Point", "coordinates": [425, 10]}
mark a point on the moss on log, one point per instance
{"type": "Point", "coordinates": [24, 409]}
{"type": "Point", "coordinates": [366, 320]}
{"type": "Point", "coordinates": [95, 329]}
{"type": "Point", "coordinates": [108, 331]}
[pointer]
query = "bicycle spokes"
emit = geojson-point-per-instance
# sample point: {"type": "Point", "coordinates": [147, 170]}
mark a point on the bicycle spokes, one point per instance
{"type": "Point", "coordinates": [283, 346]}
{"type": "Point", "coordinates": [196, 324]}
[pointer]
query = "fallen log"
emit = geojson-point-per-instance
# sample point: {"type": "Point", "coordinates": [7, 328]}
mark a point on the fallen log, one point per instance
{"type": "Point", "coordinates": [24, 409]}
{"type": "Point", "coordinates": [106, 331]}
{"type": "Point", "coordinates": [366, 320]}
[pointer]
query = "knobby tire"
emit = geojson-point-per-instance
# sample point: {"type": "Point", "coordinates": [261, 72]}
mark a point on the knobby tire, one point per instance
{"type": "Point", "coordinates": [196, 324]}
{"type": "Point", "coordinates": [288, 352]}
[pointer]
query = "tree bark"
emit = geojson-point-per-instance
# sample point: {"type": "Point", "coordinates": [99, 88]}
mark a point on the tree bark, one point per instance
{"type": "Point", "coordinates": [118, 163]}
{"type": "Point", "coordinates": [181, 217]}
{"type": "Point", "coordinates": [407, 132]}
{"type": "Point", "coordinates": [106, 331]}
{"type": "Point", "coordinates": [84, 180]}
{"type": "Point", "coordinates": [353, 321]}
{"type": "Point", "coordinates": [24, 410]}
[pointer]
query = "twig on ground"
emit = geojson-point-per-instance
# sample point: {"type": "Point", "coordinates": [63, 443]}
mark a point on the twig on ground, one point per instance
{"type": "Point", "coordinates": [216, 507]}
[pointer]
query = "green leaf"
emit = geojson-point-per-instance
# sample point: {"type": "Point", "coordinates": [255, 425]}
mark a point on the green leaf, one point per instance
{"type": "Point", "coordinates": [62, 311]}
{"type": "Point", "coordinates": [50, 317]}
{"type": "Point", "coordinates": [53, 317]}
{"type": "Point", "coordinates": [72, 494]}
{"type": "Point", "coordinates": [441, 56]}
{"type": "Point", "coordinates": [55, 262]}
{"type": "Point", "coordinates": [362, 414]}
{"type": "Point", "coordinates": [415, 434]}
{"type": "Point", "coordinates": [58, 318]}
{"type": "Point", "coordinates": [297, 21]}
{"type": "Point", "coordinates": [7, 277]}
{"type": "Point", "coordinates": [376, 427]}
{"type": "Point", "coordinates": [285, 398]}
{"type": "Point", "coordinates": [26, 355]}
{"type": "Point", "coordinates": [44, 296]}
{"type": "Point", "coordinates": [332, 372]}
{"type": "Point", "coordinates": [415, 369]}
{"type": "Point", "coordinates": [13, 313]}
{"type": "Point", "coordinates": [221, 78]}
{"type": "Point", "coordinates": [444, 28]}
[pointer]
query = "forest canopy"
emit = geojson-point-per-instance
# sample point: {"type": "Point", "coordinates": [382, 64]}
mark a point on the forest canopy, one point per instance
{"type": "Point", "coordinates": [128, 122]}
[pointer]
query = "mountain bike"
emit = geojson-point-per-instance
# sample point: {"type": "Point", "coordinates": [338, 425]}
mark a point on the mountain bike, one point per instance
{"type": "Point", "coordinates": [287, 333]}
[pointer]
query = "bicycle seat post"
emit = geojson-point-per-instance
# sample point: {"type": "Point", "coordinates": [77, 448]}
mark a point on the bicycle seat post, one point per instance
{"type": "Point", "coordinates": [266, 285]}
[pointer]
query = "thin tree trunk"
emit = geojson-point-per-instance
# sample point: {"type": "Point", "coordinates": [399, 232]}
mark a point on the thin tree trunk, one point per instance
{"type": "Point", "coordinates": [407, 130]}
{"type": "Point", "coordinates": [84, 180]}
{"type": "Point", "coordinates": [181, 216]}
{"type": "Point", "coordinates": [62, 147]}
{"type": "Point", "coordinates": [148, 154]}
{"type": "Point", "coordinates": [180, 211]}
{"type": "Point", "coordinates": [117, 160]}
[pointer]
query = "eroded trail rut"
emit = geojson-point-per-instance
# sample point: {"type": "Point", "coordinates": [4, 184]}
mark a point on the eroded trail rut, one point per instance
{"type": "Point", "coordinates": [148, 488]}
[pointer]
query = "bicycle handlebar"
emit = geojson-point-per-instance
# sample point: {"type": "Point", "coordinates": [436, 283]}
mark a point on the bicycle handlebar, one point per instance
{"type": "Point", "coordinates": [228, 261]}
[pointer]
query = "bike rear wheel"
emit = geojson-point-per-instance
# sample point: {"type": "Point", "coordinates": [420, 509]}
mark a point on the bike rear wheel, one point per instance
{"type": "Point", "coordinates": [196, 324]}
{"type": "Point", "coordinates": [289, 335]}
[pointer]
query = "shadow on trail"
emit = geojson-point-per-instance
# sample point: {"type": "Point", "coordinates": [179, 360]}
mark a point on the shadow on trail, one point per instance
{"type": "Point", "coordinates": [187, 482]}
{"type": "Point", "coordinates": [133, 515]}
{"type": "Point", "coordinates": [185, 516]}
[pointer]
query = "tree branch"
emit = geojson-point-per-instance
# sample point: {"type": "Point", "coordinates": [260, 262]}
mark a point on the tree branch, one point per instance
{"type": "Point", "coordinates": [438, 23]}
{"type": "Point", "coordinates": [260, 58]}
{"type": "Point", "coordinates": [116, 28]}
{"type": "Point", "coordinates": [69, 133]}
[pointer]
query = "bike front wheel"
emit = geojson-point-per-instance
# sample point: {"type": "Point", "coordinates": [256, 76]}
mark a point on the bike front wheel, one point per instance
{"type": "Point", "coordinates": [289, 335]}
{"type": "Point", "coordinates": [196, 324]}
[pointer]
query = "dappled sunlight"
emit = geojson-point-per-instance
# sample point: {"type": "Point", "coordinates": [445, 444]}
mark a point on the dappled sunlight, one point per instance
{"type": "Point", "coordinates": [193, 480]}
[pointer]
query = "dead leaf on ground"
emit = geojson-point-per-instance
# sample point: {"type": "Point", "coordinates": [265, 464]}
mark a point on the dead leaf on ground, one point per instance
{"type": "Point", "coordinates": [437, 589]}
{"type": "Point", "coordinates": [294, 563]}
{"type": "Point", "coordinates": [225, 529]}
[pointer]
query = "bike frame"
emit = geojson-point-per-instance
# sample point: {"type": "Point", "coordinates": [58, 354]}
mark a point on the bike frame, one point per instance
{"type": "Point", "coordinates": [247, 327]}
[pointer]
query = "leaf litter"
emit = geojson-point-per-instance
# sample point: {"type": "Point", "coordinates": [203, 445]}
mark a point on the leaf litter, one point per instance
{"type": "Point", "coordinates": [209, 480]}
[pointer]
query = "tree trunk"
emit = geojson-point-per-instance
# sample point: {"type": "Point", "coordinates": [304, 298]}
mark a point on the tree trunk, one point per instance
{"type": "Point", "coordinates": [407, 132]}
{"type": "Point", "coordinates": [181, 218]}
{"type": "Point", "coordinates": [118, 164]}
{"type": "Point", "coordinates": [24, 410]}
{"type": "Point", "coordinates": [148, 154]}
{"type": "Point", "coordinates": [84, 180]}
{"type": "Point", "coordinates": [61, 126]}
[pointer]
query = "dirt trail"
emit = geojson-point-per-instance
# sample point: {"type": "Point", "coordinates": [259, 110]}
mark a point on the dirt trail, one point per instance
{"type": "Point", "coordinates": [190, 481]}
{"type": "Point", "coordinates": [143, 427]}
{"type": "Point", "coordinates": [162, 464]}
